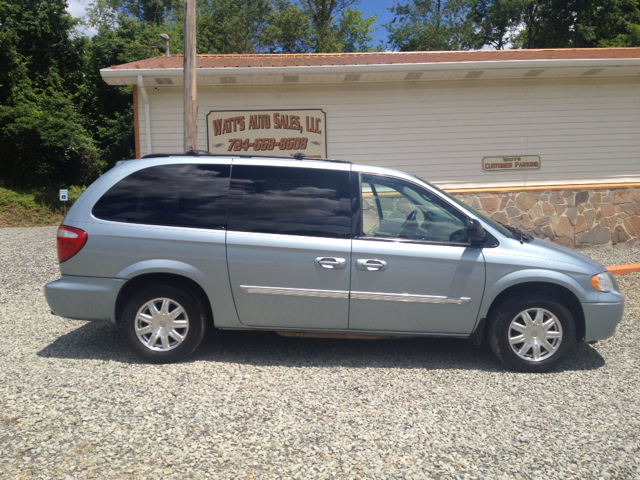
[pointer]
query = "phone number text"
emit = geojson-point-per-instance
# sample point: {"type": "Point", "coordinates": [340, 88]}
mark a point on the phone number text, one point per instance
{"type": "Point", "coordinates": [261, 144]}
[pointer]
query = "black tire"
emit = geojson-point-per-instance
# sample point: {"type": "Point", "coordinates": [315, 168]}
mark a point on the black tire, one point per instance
{"type": "Point", "coordinates": [190, 323]}
{"type": "Point", "coordinates": [507, 321]}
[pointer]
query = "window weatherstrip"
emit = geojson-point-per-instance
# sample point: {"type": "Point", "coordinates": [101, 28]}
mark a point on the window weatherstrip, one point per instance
{"type": "Point", "coordinates": [405, 297]}
{"type": "Point", "coordinates": [296, 292]}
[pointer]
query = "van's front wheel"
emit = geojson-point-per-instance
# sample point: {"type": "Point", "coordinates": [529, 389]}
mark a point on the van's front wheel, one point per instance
{"type": "Point", "coordinates": [532, 334]}
{"type": "Point", "coordinates": [163, 323]}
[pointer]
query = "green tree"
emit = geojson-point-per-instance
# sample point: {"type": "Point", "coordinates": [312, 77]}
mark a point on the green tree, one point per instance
{"type": "Point", "coordinates": [596, 23]}
{"type": "Point", "coordinates": [288, 29]}
{"type": "Point", "coordinates": [497, 22]}
{"type": "Point", "coordinates": [558, 23]}
{"type": "Point", "coordinates": [325, 36]}
{"type": "Point", "coordinates": [122, 37]}
{"type": "Point", "coordinates": [108, 109]}
{"type": "Point", "coordinates": [355, 31]}
{"type": "Point", "coordinates": [631, 38]}
{"type": "Point", "coordinates": [43, 138]}
{"type": "Point", "coordinates": [151, 11]}
{"type": "Point", "coordinates": [432, 25]}
{"type": "Point", "coordinates": [231, 26]}
{"type": "Point", "coordinates": [222, 26]}
{"type": "Point", "coordinates": [321, 26]}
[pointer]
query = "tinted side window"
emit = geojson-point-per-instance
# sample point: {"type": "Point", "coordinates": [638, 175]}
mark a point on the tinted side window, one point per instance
{"type": "Point", "coordinates": [290, 201]}
{"type": "Point", "coordinates": [180, 195]}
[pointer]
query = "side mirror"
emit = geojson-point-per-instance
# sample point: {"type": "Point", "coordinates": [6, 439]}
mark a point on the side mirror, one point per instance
{"type": "Point", "coordinates": [475, 232]}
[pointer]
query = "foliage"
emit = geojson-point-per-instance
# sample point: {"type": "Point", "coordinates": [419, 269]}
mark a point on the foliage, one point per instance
{"type": "Point", "coordinates": [631, 38]}
{"type": "Point", "coordinates": [42, 133]}
{"type": "Point", "coordinates": [34, 207]}
{"type": "Point", "coordinates": [288, 29]}
{"type": "Point", "coordinates": [321, 26]}
{"type": "Point", "coordinates": [22, 209]}
{"type": "Point", "coordinates": [432, 25]}
{"type": "Point", "coordinates": [42, 139]}
{"type": "Point", "coordinates": [497, 22]}
{"type": "Point", "coordinates": [109, 12]}
{"type": "Point", "coordinates": [231, 26]}
{"type": "Point", "coordinates": [108, 109]}
{"type": "Point", "coordinates": [557, 23]}
{"type": "Point", "coordinates": [355, 31]}
{"type": "Point", "coordinates": [347, 32]}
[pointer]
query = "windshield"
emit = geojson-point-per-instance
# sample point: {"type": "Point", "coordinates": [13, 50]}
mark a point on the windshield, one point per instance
{"type": "Point", "coordinates": [511, 233]}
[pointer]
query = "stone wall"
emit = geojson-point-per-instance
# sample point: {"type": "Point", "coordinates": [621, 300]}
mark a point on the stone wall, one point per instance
{"type": "Point", "coordinates": [572, 218]}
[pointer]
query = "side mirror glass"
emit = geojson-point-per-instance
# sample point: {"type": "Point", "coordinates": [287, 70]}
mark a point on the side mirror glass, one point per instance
{"type": "Point", "coordinates": [475, 233]}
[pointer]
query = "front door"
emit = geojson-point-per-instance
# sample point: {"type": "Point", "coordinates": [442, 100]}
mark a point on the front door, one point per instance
{"type": "Point", "coordinates": [289, 245]}
{"type": "Point", "coordinates": [412, 268]}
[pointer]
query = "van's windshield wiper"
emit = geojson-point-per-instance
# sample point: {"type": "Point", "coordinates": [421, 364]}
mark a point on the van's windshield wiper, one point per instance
{"type": "Point", "coordinates": [517, 233]}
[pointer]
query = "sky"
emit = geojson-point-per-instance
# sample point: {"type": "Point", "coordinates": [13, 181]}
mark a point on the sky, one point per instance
{"type": "Point", "coordinates": [369, 7]}
{"type": "Point", "coordinates": [380, 7]}
{"type": "Point", "coordinates": [76, 7]}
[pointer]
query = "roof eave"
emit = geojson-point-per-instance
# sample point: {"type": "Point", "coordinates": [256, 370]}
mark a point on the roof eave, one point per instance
{"type": "Point", "coordinates": [130, 76]}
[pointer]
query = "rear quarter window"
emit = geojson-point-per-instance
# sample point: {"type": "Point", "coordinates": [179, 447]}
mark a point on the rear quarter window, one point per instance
{"type": "Point", "coordinates": [182, 195]}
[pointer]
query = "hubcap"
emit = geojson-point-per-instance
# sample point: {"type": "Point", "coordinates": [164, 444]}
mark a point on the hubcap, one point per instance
{"type": "Point", "coordinates": [535, 334]}
{"type": "Point", "coordinates": [161, 324]}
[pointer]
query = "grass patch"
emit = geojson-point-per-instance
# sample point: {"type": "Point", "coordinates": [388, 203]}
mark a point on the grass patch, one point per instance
{"type": "Point", "coordinates": [36, 207]}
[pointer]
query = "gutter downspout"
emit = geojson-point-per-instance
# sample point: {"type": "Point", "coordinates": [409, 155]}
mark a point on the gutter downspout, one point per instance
{"type": "Point", "coordinates": [147, 113]}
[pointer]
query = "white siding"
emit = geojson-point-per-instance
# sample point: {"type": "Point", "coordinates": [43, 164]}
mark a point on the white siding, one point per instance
{"type": "Point", "coordinates": [585, 130]}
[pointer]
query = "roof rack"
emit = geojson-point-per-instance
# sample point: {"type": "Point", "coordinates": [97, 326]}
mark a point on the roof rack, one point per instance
{"type": "Point", "coordinates": [190, 153]}
{"type": "Point", "coordinates": [204, 153]}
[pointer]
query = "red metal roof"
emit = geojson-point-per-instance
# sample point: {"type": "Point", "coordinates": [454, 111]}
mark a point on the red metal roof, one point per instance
{"type": "Point", "coordinates": [381, 58]}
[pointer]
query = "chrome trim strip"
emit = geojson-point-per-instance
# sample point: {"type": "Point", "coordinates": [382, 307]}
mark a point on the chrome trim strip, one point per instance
{"type": "Point", "coordinates": [405, 297]}
{"type": "Point", "coordinates": [298, 292]}
{"type": "Point", "coordinates": [392, 297]}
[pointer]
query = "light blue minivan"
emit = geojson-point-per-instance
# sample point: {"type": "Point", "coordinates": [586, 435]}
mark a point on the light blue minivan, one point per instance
{"type": "Point", "coordinates": [171, 245]}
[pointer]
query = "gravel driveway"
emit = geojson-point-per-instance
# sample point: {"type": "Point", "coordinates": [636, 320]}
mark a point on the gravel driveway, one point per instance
{"type": "Point", "coordinates": [75, 403]}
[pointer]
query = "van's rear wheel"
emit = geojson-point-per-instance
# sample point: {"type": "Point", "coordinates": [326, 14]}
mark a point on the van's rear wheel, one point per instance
{"type": "Point", "coordinates": [532, 334]}
{"type": "Point", "coordinates": [163, 323]}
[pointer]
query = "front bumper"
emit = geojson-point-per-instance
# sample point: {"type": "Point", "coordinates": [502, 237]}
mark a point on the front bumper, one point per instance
{"type": "Point", "coordinates": [601, 319]}
{"type": "Point", "coordinates": [84, 298]}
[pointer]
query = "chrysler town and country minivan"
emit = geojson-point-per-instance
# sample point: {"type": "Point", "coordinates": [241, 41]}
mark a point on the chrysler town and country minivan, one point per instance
{"type": "Point", "coordinates": [171, 245]}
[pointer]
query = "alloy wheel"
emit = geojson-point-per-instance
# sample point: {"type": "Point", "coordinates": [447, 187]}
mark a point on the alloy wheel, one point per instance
{"type": "Point", "coordinates": [161, 324]}
{"type": "Point", "coordinates": [535, 334]}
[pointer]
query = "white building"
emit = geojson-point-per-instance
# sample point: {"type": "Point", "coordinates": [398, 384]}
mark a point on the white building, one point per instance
{"type": "Point", "coordinates": [466, 121]}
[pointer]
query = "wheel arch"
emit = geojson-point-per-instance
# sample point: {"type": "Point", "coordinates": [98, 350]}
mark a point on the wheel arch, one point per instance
{"type": "Point", "coordinates": [555, 291]}
{"type": "Point", "coordinates": [162, 278]}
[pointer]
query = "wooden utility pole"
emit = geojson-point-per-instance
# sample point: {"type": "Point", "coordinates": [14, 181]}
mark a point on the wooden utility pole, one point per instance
{"type": "Point", "coordinates": [190, 93]}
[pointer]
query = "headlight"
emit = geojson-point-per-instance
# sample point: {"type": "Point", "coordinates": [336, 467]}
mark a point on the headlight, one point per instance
{"type": "Point", "coordinates": [602, 282]}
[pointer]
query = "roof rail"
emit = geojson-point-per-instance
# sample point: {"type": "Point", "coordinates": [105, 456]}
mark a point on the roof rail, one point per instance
{"type": "Point", "coordinates": [204, 153]}
{"type": "Point", "coordinates": [190, 153]}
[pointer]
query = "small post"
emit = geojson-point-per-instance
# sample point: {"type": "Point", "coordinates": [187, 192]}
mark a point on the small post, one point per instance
{"type": "Point", "coordinates": [64, 197]}
{"type": "Point", "coordinates": [190, 94]}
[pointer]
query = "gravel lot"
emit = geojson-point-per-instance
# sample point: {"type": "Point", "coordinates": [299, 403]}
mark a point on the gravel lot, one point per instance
{"type": "Point", "coordinates": [75, 403]}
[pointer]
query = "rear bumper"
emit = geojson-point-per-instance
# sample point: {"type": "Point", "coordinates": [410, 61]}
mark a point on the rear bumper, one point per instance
{"type": "Point", "coordinates": [84, 298]}
{"type": "Point", "coordinates": [601, 319]}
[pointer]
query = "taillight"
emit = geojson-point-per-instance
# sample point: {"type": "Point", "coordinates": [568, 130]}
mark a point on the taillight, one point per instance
{"type": "Point", "coordinates": [70, 241]}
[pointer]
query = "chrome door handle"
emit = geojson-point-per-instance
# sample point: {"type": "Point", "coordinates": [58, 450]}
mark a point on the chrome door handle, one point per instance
{"type": "Point", "coordinates": [330, 262]}
{"type": "Point", "coordinates": [371, 265]}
